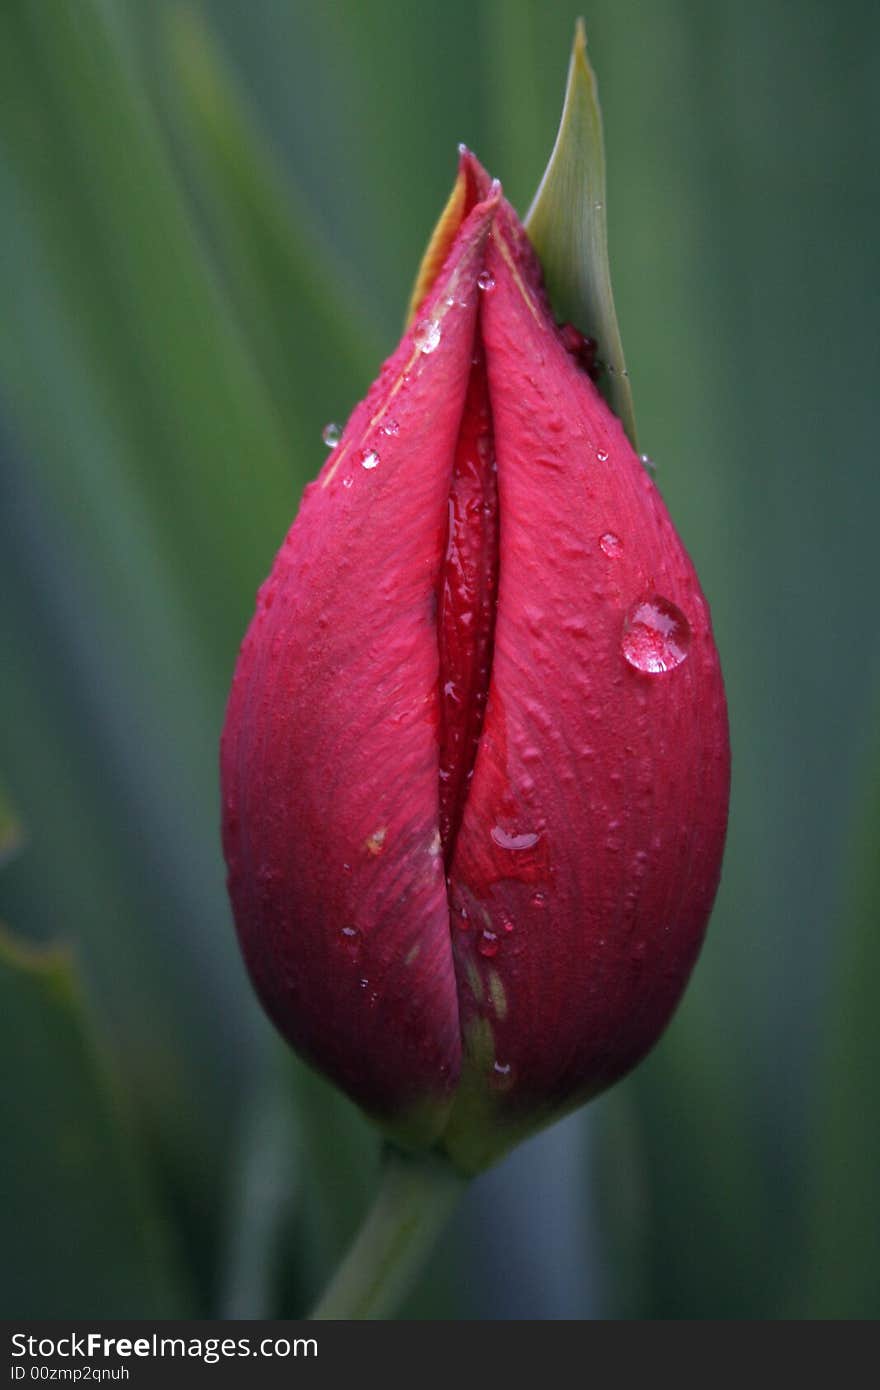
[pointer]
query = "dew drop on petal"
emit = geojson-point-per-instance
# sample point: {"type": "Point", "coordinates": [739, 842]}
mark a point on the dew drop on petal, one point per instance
{"type": "Point", "coordinates": [656, 635]}
{"type": "Point", "coordinates": [427, 335]}
{"type": "Point", "coordinates": [611, 545]}
{"type": "Point", "coordinates": [505, 840]}
{"type": "Point", "coordinates": [369, 459]}
{"type": "Point", "coordinates": [375, 842]}
{"type": "Point", "coordinates": [648, 464]}
{"type": "Point", "coordinates": [488, 944]}
{"type": "Point", "coordinates": [602, 455]}
{"type": "Point", "coordinates": [390, 426]}
{"type": "Point", "coordinates": [486, 281]}
{"type": "Point", "coordinates": [331, 434]}
{"type": "Point", "coordinates": [346, 482]}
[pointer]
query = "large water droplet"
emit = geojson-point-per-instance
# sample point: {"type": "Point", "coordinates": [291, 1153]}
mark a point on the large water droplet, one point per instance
{"type": "Point", "coordinates": [602, 455]}
{"type": "Point", "coordinates": [331, 434]}
{"type": "Point", "coordinates": [656, 635]}
{"type": "Point", "coordinates": [369, 458]}
{"type": "Point", "coordinates": [611, 545]}
{"type": "Point", "coordinates": [427, 335]}
{"type": "Point", "coordinates": [505, 840]}
{"type": "Point", "coordinates": [486, 281]}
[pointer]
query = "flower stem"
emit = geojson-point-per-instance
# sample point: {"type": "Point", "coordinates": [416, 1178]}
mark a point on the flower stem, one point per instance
{"type": "Point", "coordinates": [416, 1196]}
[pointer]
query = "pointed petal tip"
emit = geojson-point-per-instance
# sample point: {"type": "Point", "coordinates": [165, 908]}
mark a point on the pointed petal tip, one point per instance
{"type": "Point", "coordinates": [473, 189]}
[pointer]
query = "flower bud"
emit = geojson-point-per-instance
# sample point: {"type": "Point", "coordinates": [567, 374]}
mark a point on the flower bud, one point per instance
{"type": "Point", "coordinates": [475, 764]}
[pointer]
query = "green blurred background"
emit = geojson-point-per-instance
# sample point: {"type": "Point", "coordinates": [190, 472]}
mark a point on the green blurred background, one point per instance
{"type": "Point", "coordinates": [209, 219]}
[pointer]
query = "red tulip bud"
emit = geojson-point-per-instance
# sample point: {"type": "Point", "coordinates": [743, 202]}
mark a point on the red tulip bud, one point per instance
{"type": "Point", "coordinates": [475, 764]}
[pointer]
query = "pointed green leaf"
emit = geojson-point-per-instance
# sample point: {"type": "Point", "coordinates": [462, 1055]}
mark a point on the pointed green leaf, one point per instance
{"type": "Point", "coordinates": [568, 228]}
{"type": "Point", "coordinates": [82, 1234]}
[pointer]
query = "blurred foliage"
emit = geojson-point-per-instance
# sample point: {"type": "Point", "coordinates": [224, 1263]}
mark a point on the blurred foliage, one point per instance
{"type": "Point", "coordinates": [210, 218]}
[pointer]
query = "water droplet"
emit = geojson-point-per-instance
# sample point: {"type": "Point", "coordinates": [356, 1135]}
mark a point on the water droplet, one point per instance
{"type": "Point", "coordinates": [648, 464]}
{"type": "Point", "coordinates": [602, 455]}
{"type": "Point", "coordinates": [656, 635]}
{"type": "Point", "coordinates": [375, 843]}
{"type": "Point", "coordinates": [369, 458]}
{"type": "Point", "coordinates": [505, 840]}
{"type": "Point", "coordinates": [611, 545]}
{"type": "Point", "coordinates": [347, 482]}
{"type": "Point", "coordinates": [502, 1075]}
{"type": "Point", "coordinates": [391, 427]}
{"type": "Point", "coordinates": [486, 281]}
{"type": "Point", "coordinates": [427, 335]}
{"type": "Point", "coordinates": [331, 434]}
{"type": "Point", "coordinates": [539, 899]}
{"type": "Point", "coordinates": [350, 935]}
{"type": "Point", "coordinates": [488, 944]}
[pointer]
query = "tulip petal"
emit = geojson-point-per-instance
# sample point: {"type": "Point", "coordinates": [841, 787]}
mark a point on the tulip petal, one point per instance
{"type": "Point", "coordinates": [589, 851]}
{"type": "Point", "coordinates": [330, 755]}
{"type": "Point", "coordinates": [472, 186]}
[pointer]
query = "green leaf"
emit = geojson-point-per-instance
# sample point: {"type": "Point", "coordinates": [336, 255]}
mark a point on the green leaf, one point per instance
{"type": "Point", "coordinates": [82, 1234]}
{"type": "Point", "coordinates": [11, 830]}
{"type": "Point", "coordinates": [267, 1183]}
{"type": "Point", "coordinates": [145, 486]}
{"type": "Point", "coordinates": [286, 284]}
{"type": "Point", "coordinates": [568, 228]}
{"type": "Point", "coordinates": [843, 1263]}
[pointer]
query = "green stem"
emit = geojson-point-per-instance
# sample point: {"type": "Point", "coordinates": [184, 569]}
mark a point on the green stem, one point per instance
{"type": "Point", "coordinates": [416, 1196]}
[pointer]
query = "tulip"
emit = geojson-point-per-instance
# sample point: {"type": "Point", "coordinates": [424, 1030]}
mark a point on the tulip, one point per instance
{"type": "Point", "coordinates": [475, 763]}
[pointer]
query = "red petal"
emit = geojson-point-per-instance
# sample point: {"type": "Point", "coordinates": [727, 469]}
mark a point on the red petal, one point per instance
{"type": "Point", "coordinates": [330, 749]}
{"type": "Point", "coordinates": [590, 848]}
